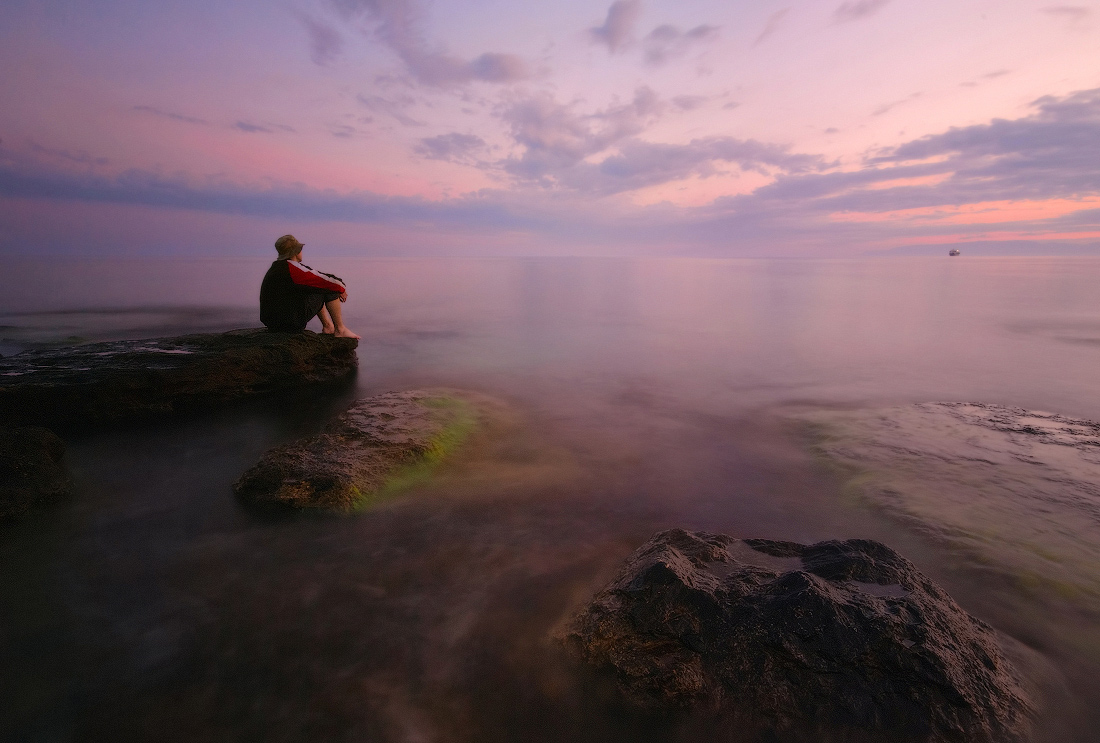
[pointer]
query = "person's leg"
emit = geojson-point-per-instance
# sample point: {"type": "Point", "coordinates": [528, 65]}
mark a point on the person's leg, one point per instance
{"type": "Point", "coordinates": [342, 331]}
{"type": "Point", "coordinates": [327, 326]}
{"type": "Point", "coordinates": [312, 305]}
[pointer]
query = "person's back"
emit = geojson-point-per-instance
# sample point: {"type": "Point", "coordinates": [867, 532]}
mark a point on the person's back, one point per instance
{"type": "Point", "coordinates": [279, 307]}
{"type": "Point", "coordinates": [292, 293]}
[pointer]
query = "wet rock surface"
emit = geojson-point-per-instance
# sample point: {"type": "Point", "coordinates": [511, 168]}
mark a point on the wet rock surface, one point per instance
{"type": "Point", "coordinates": [380, 444]}
{"type": "Point", "coordinates": [840, 640]}
{"type": "Point", "coordinates": [106, 382]}
{"type": "Point", "coordinates": [32, 469]}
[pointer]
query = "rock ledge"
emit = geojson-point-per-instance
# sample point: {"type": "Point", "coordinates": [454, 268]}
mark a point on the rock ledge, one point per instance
{"type": "Point", "coordinates": [105, 382]}
{"type": "Point", "coordinates": [32, 470]}
{"type": "Point", "coordinates": [840, 638]}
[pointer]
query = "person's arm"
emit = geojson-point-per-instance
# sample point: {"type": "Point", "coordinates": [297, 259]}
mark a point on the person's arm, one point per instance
{"type": "Point", "coordinates": [305, 276]}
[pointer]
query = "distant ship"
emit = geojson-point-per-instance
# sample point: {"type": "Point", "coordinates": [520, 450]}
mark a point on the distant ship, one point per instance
{"type": "Point", "coordinates": [953, 251]}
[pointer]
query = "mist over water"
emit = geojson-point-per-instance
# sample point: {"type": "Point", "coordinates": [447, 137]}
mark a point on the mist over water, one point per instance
{"type": "Point", "coordinates": [636, 395]}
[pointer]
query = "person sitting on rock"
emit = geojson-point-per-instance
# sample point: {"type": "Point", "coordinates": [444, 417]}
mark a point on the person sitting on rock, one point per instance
{"type": "Point", "coordinates": [292, 294]}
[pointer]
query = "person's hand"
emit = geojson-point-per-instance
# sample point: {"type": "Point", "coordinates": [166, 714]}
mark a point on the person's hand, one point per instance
{"type": "Point", "coordinates": [344, 297]}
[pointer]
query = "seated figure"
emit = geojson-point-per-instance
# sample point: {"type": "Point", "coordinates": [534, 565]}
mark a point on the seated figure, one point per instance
{"type": "Point", "coordinates": [292, 294]}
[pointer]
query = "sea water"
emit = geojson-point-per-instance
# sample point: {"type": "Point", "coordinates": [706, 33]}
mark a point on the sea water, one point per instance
{"type": "Point", "coordinates": [640, 395]}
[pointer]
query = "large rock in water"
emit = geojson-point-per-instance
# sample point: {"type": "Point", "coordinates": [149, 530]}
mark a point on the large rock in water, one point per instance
{"type": "Point", "coordinates": [101, 382]}
{"type": "Point", "coordinates": [837, 640]}
{"type": "Point", "coordinates": [378, 445]}
{"type": "Point", "coordinates": [32, 469]}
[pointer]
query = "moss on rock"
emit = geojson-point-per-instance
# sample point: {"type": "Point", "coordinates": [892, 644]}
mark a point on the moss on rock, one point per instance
{"type": "Point", "coordinates": [379, 447]}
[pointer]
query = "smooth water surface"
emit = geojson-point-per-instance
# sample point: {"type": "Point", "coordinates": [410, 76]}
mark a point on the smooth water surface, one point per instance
{"type": "Point", "coordinates": [638, 395]}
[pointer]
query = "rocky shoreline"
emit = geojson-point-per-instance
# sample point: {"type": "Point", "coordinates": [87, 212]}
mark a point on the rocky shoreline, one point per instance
{"type": "Point", "coordinates": [840, 640]}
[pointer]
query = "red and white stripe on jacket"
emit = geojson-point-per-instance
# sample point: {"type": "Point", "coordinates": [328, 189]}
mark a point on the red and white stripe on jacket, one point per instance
{"type": "Point", "coordinates": [305, 276]}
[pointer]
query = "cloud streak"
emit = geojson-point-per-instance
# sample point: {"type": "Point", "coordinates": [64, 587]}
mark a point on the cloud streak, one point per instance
{"type": "Point", "coordinates": [284, 201]}
{"type": "Point", "coordinates": [775, 20]}
{"type": "Point", "coordinates": [250, 128]}
{"type": "Point", "coordinates": [858, 9]}
{"type": "Point", "coordinates": [1072, 13]}
{"type": "Point", "coordinates": [397, 24]}
{"type": "Point", "coordinates": [173, 116]}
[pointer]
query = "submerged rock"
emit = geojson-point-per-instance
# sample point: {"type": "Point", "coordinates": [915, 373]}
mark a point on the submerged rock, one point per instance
{"type": "Point", "coordinates": [1015, 493]}
{"type": "Point", "coordinates": [101, 382]}
{"type": "Point", "coordinates": [32, 469]}
{"type": "Point", "coordinates": [379, 445]}
{"type": "Point", "coordinates": [839, 638]}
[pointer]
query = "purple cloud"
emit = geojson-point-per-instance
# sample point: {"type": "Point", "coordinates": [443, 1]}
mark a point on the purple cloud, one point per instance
{"type": "Point", "coordinates": [78, 157]}
{"type": "Point", "coordinates": [498, 68]}
{"type": "Point", "coordinates": [555, 138]}
{"type": "Point", "coordinates": [617, 30]}
{"type": "Point", "coordinates": [559, 145]}
{"type": "Point", "coordinates": [453, 147]}
{"type": "Point", "coordinates": [397, 25]}
{"type": "Point", "coordinates": [856, 9]}
{"type": "Point", "coordinates": [1048, 154]}
{"type": "Point", "coordinates": [667, 41]}
{"type": "Point", "coordinates": [689, 102]}
{"type": "Point", "coordinates": [325, 42]}
{"type": "Point", "coordinates": [639, 164]}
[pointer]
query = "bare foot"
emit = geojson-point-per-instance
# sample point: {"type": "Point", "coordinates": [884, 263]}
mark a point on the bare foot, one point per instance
{"type": "Point", "coordinates": [343, 332]}
{"type": "Point", "coordinates": [328, 330]}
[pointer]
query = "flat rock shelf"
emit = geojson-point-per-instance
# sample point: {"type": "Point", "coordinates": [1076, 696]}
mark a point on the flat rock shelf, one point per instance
{"type": "Point", "coordinates": [123, 380]}
{"type": "Point", "coordinates": [379, 446]}
{"type": "Point", "coordinates": [840, 640]}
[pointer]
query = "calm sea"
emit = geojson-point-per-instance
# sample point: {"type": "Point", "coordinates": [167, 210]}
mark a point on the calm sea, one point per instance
{"type": "Point", "coordinates": [641, 395]}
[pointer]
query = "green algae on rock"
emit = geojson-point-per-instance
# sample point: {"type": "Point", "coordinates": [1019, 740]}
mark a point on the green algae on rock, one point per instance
{"type": "Point", "coordinates": [380, 446]}
{"type": "Point", "coordinates": [32, 469]}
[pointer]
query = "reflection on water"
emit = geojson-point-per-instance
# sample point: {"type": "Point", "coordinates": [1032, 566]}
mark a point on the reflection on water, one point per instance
{"type": "Point", "coordinates": [639, 397]}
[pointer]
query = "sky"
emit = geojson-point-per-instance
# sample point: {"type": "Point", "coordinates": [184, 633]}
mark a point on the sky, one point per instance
{"type": "Point", "coordinates": [821, 128]}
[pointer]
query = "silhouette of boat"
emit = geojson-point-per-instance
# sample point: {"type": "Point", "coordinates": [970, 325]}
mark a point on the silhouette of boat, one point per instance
{"type": "Point", "coordinates": [953, 251]}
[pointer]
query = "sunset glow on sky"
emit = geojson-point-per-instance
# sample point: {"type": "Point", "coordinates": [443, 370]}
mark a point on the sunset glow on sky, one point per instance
{"type": "Point", "coordinates": [489, 127]}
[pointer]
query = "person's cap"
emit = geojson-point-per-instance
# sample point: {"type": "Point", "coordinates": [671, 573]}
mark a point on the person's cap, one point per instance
{"type": "Point", "coordinates": [288, 245]}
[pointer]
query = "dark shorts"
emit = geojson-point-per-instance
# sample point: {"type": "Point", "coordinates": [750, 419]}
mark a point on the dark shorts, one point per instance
{"type": "Point", "coordinates": [297, 315]}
